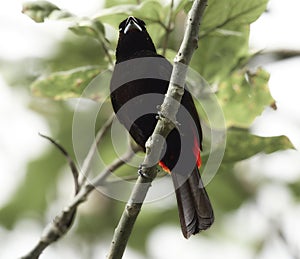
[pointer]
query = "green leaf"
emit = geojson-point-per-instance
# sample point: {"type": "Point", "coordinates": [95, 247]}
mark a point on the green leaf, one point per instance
{"type": "Point", "coordinates": [110, 3]}
{"type": "Point", "coordinates": [225, 182]}
{"type": "Point", "coordinates": [231, 12]}
{"type": "Point", "coordinates": [65, 84]}
{"type": "Point", "coordinates": [150, 11]}
{"type": "Point", "coordinates": [241, 145]}
{"type": "Point", "coordinates": [87, 27]}
{"type": "Point", "coordinates": [40, 10]}
{"type": "Point", "coordinates": [224, 36]}
{"type": "Point", "coordinates": [74, 52]}
{"type": "Point", "coordinates": [244, 96]}
{"type": "Point", "coordinates": [295, 188]}
{"type": "Point", "coordinates": [219, 53]}
{"type": "Point", "coordinates": [169, 55]}
{"type": "Point", "coordinates": [181, 5]}
{"type": "Point", "coordinates": [32, 194]}
{"type": "Point", "coordinates": [114, 15]}
{"type": "Point", "coordinates": [188, 5]}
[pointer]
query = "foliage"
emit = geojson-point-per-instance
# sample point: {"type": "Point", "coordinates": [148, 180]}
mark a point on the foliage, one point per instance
{"type": "Point", "coordinates": [39, 10]}
{"type": "Point", "coordinates": [67, 84]}
{"type": "Point", "coordinates": [221, 59]}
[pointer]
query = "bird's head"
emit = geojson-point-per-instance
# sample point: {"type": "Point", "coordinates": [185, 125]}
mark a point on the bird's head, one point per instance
{"type": "Point", "coordinates": [132, 24]}
{"type": "Point", "coordinates": [133, 38]}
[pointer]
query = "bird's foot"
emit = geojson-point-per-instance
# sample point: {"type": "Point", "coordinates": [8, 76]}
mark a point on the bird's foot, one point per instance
{"type": "Point", "coordinates": [142, 173]}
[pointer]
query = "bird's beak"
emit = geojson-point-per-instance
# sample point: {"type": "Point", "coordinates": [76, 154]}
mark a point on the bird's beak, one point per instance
{"type": "Point", "coordinates": [132, 24]}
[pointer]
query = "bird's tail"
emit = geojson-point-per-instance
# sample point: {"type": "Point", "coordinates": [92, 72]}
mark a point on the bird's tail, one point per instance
{"type": "Point", "coordinates": [195, 210]}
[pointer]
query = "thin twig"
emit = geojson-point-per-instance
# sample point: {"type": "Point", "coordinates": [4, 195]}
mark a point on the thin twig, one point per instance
{"type": "Point", "coordinates": [101, 178]}
{"type": "Point", "coordinates": [154, 146]}
{"type": "Point", "coordinates": [88, 159]}
{"type": "Point", "coordinates": [61, 223]}
{"type": "Point", "coordinates": [161, 23]}
{"type": "Point", "coordinates": [106, 51]}
{"type": "Point", "coordinates": [134, 178]}
{"type": "Point", "coordinates": [69, 160]}
{"type": "Point", "coordinates": [168, 29]}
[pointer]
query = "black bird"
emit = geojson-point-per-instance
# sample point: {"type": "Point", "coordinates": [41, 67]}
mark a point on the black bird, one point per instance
{"type": "Point", "coordinates": [139, 83]}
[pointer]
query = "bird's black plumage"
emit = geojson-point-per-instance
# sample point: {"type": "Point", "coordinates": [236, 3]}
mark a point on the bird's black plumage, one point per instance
{"type": "Point", "coordinates": [138, 85]}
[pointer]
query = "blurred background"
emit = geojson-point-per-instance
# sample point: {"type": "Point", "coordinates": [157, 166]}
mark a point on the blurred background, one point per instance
{"type": "Point", "coordinates": [257, 204]}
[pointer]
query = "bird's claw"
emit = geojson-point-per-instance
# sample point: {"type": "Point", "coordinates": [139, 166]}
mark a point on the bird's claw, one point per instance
{"type": "Point", "coordinates": [159, 115]}
{"type": "Point", "coordinates": [142, 173]}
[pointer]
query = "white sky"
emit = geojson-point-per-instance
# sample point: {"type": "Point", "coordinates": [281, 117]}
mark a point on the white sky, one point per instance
{"type": "Point", "coordinates": [278, 29]}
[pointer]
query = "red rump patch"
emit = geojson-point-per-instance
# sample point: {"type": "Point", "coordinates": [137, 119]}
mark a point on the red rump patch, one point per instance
{"type": "Point", "coordinates": [196, 151]}
{"type": "Point", "coordinates": [164, 167]}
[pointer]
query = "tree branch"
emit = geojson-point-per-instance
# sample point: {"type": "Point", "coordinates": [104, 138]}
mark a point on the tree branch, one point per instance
{"type": "Point", "coordinates": [63, 222]}
{"type": "Point", "coordinates": [154, 146]}
{"type": "Point", "coordinates": [69, 160]}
